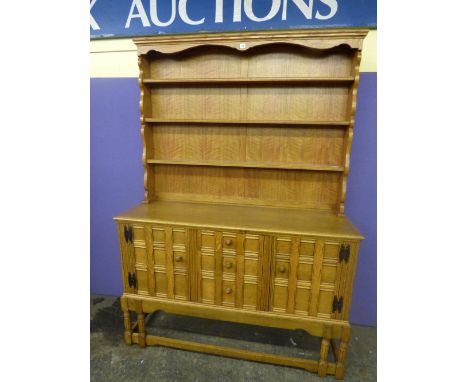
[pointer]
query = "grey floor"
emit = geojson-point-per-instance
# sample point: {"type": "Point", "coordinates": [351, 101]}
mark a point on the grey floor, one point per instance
{"type": "Point", "coordinates": [112, 360]}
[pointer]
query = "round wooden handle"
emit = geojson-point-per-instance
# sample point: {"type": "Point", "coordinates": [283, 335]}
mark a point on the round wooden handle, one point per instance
{"type": "Point", "coordinates": [229, 265]}
{"type": "Point", "coordinates": [282, 269]}
{"type": "Point", "coordinates": [178, 258]}
{"type": "Point", "coordinates": [228, 290]}
{"type": "Point", "coordinates": [228, 241]}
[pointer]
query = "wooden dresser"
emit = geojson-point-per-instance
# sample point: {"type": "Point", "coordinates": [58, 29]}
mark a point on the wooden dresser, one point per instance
{"type": "Point", "coordinates": [246, 148]}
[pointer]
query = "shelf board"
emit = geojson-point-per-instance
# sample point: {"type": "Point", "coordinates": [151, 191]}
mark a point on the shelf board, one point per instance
{"type": "Point", "coordinates": [247, 81]}
{"type": "Point", "coordinates": [247, 122]}
{"type": "Point", "coordinates": [272, 165]}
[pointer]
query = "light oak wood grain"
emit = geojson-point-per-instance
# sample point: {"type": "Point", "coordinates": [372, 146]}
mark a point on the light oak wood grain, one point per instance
{"type": "Point", "coordinates": [246, 153]}
{"type": "Point", "coordinates": [243, 121]}
{"type": "Point", "coordinates": [244, 218]}
{"type": "Point", "coordinates": [247, 81]}
{"type": "Point", "coordinates": [310, 365]}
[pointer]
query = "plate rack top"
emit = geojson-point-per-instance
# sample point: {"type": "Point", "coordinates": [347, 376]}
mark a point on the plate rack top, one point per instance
{"type": "Point", "coordinates": [249, 118]}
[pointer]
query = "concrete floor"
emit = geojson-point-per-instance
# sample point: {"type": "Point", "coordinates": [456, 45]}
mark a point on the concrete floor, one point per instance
{"type": "Point", "coordinates": [112, 360]}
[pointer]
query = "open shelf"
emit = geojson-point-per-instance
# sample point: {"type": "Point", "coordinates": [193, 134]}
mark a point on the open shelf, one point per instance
{"type": "Point", "coordinates": [247, 122]}
{"type": "Point", "coordinates": [283, 166]}
{"type": "Point", "coordinates": [247, 81]}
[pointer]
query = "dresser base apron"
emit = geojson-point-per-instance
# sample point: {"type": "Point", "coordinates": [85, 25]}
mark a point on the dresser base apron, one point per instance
{"type": "Point", "coordinates": [329, 330]}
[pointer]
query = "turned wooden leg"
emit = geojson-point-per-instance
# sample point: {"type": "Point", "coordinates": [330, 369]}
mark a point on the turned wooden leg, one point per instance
{"type": "Point", "coordinates": [141, 330]}
{"type": "Point", "coordinates": [324, 348]}
{"type": "Point", "coordinates": [342, 353]}
{"type": "Point", "coordinates": [128, 328]}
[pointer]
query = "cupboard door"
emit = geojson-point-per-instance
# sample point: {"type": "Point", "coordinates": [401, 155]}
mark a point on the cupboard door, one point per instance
{"type": "Point", "coordinates": [309, 278]}
{"type": "Point", "coordinates": [348, 253]}
{"type": "Point", "coordinates": [335, 279]}
{"type": "Point", "coordinates": [137, 270]}
{"type": "Point", "coordinates": [155, 261]}
{"type": "Point", "coordinates": [325, 279]}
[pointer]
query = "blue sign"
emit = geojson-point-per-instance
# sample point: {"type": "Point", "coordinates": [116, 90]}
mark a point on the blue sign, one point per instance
{"type": "Point", "coordinates": [125, 18]}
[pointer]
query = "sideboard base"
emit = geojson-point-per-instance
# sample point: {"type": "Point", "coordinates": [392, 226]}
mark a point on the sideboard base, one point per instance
{"type": "Point", "coordinates": [329, 331]}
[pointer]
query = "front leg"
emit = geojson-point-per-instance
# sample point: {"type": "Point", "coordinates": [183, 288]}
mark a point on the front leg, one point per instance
{"type": "Point", "coordinates": [141, 325]}
{"type": "Point", "coordinates": [324, 350]}
{"type": "Point", "coordinates": [128, 327]}
{"type": "Point", "coordinates": [342, 353]}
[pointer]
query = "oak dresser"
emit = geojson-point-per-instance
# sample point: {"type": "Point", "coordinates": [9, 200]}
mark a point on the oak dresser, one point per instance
{"type": "Point", "coordinates": [246, 152]}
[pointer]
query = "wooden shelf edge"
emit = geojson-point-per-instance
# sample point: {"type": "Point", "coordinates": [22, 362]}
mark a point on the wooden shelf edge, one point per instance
{"type": "Point", "coordinates": [279, 166]}
{"type": "Point", "coordinates": [247, 81]}
{"type": "Point", "coordinates": [247, 122]}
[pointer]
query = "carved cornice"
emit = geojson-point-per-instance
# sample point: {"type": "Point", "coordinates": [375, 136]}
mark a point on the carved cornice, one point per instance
{"type": "Point", "coordinates": [243, 41]}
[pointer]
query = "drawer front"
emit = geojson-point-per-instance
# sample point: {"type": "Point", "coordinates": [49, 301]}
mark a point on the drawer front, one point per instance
{"type": "Point", "coordinates": [309, 278]}
{"type": "Point", "coordinates": [229, 268]}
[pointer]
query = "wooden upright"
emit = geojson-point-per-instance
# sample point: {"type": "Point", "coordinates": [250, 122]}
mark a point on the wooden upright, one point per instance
{"type": "Point", "coordinates": [246, 147]}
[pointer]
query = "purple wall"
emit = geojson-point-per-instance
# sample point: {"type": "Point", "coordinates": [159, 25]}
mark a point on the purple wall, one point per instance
{"type": "Point", "coordinates": [117, 184]}
{"type": "Point", "coordinates": [361, 200]}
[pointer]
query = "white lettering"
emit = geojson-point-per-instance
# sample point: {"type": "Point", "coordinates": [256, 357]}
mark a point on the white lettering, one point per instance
{"type": "Point", "coordinates": [154, 14]}
{"type": "Point", "coordinates": [275, 6]}
{"type": "Point", "coordinates": [333, 5]}
{"type": "Point", "coordinates": [219, 11]}
{"type": "Point", "coordinates": [184, 16]}
{"type": "Point", "coordinates": [140, 15]}
{"type": "Point", "coordinates": [237, 11]}
{"type": "Point", "coordinates": [93, 22]}
{"type": "Point", "coordinates": [303, 7]}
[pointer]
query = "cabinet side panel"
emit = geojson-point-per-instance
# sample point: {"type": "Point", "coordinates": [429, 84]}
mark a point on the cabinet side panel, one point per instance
{"type": "Point", "coordinates": [348, 286]}
{"type": "Point", "coordinates": [123, 257]}
{"type": "Point", "coordinates": [145, 130]}
{"type": "Point", "coordinates": [348, 139]}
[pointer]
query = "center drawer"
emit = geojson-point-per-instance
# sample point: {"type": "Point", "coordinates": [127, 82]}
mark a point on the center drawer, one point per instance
{"type": "Point", "coordinates": [229, 268]}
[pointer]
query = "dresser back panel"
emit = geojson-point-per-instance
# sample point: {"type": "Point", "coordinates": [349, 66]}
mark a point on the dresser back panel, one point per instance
{"type": "Point", "coordinates": [247, 143]}
{"type": "Point", "coordinates": [251, 103]}
{"type": "Point", "coordinates": [273, 60]}
{"type": "Point", "coordinates": [285, 188]}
